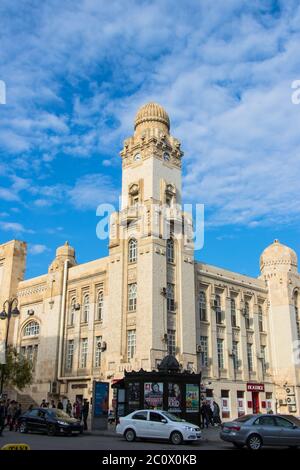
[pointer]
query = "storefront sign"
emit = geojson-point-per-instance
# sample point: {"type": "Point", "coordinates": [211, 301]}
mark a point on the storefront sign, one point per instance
{"type": "Point", "coordinates": [253, 387]}
{"type": "Point", "coordinates": [174, 398]}
{"type": "Point", "coordinates": [192, 398]}
{"type": "Point", "coordinates": [153, 395]}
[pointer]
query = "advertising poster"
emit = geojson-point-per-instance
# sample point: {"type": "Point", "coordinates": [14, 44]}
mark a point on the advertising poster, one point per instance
{"type": "Point", "coordinates": [133, 395]}
{"type": "Point", "coordinates": [192, 398]}
{"type": "Point", "coordinates": [174, 398]}
{"type": "Point", "coordinates": [153, 395]}
{"type": "Point", "coordinates": [101, 399]}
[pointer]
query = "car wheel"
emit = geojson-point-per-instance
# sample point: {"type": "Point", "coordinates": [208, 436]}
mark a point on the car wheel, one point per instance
{"type": "Point", "coordinates": [51, 430]}
{"type": "Point", "coordinates": [238, 445]}
{"type": "Point", "coordinates": [23, 428]}
{"type": "Point", "coordinates": [176, 438]}
{"type": "Point", "coordinates": [254, 442]}
{"type": "Point", "coordinates": [129, 435]}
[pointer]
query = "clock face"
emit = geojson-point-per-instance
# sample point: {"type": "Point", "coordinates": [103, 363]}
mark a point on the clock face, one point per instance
{"type": "Point", "coordinates": [166, 157]}
{"type": "Point", "coordinates": [137, 157]}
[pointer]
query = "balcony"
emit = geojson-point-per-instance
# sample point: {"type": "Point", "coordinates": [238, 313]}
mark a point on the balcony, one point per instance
{"type": "Point", "coordinates": [129, 215]}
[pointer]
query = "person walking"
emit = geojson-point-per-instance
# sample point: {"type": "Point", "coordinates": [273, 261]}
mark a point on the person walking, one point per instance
{"type": "Point", "coordinates": [2, 416]}
{"type": "Point", "coordinates": [13, 416]}
{"type": "Point", "coordinates": [52, 404]}
{"type": "Point", "coordinates": [17, 417]}
{"type": "Point", "coordinates": [69, 408]}
{"type": "Point", "coordinates": [204, 414]}
{"type": "Point", "coordinates": [60, 405]}
{"type": "Point", "coordinates": [85, 413]}
{"type": "Point", "coordinates": [43, 404]}
{"type": "Point", "coordinates": [216, 413]}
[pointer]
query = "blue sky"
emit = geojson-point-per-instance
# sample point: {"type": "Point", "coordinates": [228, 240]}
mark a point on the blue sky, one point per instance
{"type": "Point", "coordinates": [76, 72]}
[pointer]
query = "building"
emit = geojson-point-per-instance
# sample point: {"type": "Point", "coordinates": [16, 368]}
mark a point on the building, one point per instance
{"type": "Point", "coordinates": [149, 297]}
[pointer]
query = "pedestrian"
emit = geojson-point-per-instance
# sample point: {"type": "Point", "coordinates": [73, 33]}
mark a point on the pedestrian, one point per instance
{"type": "Point", "coordinates": [13, 415]}
{"type": "Point", "coordinates": [69, 408]}
{"type": "Point", "coordinates": [17, 417]}
{"type": "Point", "coordinates": [204, 414]}
{"type": "Point", "coordinates": [85, 413]}
{"type": "Point", "coordinates": [43, 404]}
{"type": "Point", "coordinates": [52, 404]}
{"type": "Point", "coordinates": [60, 406]}
{"type": "Point", "coordinates": [77, 409]}
{"type": "Point", "coordinates": [216, 414]}
{"type": "Point", "coordinates": [2, 416]}
{"type": "Point", "coordinates": [9, 413]}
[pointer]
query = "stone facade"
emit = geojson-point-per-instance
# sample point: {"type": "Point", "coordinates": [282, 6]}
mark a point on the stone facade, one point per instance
{"type": "Point", "coordinates": [149, 297]}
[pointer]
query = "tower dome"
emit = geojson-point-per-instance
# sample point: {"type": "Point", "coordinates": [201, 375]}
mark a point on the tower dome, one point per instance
{"type": "Point", "coordinates": [152, 115]}
{"type": "Point", "coordinates": [278, 257]}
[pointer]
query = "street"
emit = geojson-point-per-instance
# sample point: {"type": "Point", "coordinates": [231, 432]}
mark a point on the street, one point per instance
{"type": "Point", "coordinates": [108, 441]}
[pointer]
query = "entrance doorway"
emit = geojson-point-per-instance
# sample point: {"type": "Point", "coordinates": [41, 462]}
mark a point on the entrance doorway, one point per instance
{"type": "Point", "coordinates": [255, 402]}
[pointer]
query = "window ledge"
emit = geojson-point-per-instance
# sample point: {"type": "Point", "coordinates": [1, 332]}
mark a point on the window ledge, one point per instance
{"type": "Point", "coordinates": [205, 322]}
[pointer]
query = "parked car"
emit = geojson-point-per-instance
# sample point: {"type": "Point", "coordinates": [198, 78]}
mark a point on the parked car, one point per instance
{"type": "Point", "coordinates": [155, 424]}
{"type": "Point", "coordinates": [256, 431]}
{"type": "Point", "coordinates": [51, 421]}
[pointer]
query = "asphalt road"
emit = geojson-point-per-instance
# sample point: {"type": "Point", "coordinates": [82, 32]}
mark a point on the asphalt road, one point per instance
{"type": "Point", "coordinates": [107, 441]}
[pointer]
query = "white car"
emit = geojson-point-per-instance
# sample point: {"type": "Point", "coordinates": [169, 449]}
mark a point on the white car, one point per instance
{"type": "Point", "coordinates": [158, 425]}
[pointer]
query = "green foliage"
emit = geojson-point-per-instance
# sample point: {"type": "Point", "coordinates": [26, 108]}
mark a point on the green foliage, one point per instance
{"type": "Point", "coordinates": [17, 370]}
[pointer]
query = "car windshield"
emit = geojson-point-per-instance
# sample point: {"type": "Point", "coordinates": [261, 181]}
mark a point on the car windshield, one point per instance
{"type": "Point", "coordinates": [58, 413]}
{"type": "Point", "coordinates": [172, 417]}
{"type": "Point", "coordinates": [244, 418]}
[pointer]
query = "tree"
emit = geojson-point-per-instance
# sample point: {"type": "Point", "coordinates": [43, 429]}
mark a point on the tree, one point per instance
{"type": "Point", "coordinates": [18, 369]}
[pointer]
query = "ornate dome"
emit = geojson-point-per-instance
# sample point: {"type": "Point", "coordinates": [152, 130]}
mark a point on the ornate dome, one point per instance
{"type": "Point", "coordinates": [278, 256]}
{"type": "Point", "coordinates": [152, 112]}
{"type": "Point", "coordinates": [169, 364]}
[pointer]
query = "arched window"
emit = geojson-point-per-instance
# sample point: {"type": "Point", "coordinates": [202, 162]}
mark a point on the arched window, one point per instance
{"type": "Point", "coordinates": [170, 251]}
{"type": "Point", "coordinates": [202, 306]}
{"type": "Point", "coordinates": [100, 305]}
{"type": "Point", "coordinates": [86, 308]}
{"type": "Point", "coordinates": [32, 329]}
{"type": "Point", "coordinates": [72, 311]}
{"type": "Point", "coordinates": [132, 250]}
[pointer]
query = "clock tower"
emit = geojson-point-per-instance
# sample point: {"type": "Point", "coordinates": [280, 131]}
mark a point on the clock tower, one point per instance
{"type": "Point", "coordinates": [151, 274]}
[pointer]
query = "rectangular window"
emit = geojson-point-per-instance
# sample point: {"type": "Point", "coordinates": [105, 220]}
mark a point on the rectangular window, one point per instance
{"type": "Point", "coordinates": [131, 344]}
{"type": "Point", "coordinates": [217, 304]}
{"type": "Point", "coordinates": [132, 295]}
{"type": "Point", "coordinates": [204, 351]}
{"type": "Point", "coordinates": [247, 316]}
{"type": "Point", "coordinates": [235, 354]}
{"type": "Point", "coordinates": [202, 306]}
{"type": "Point", "coordinates": [233, 312]}
{"type": "Point", "coordinates": [98, 340]}
{"type": "Point", "coordinates": [220, 350]}
{"type": "Point", "coordinates": [34, 356]}
{"type": "Point", "coordinates": [264, 358]}
{"type": "Point", "coordinates": [170, 297]}
{"type": "Point", "coordinates": [70, 353]}
{"type": "Point", "coordinates": [260, 319]}
{"type": "Point", "coordinates": [84, 352]}
{"type": "Point", "coordinates": [249, 357]}
{"type": "Point", "coordinates": [172, 342]}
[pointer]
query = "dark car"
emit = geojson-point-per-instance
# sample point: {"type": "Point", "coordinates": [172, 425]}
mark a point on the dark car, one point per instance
{"type": "Point", "coordinates": [50, 421]}
{"type": "Point", "coordinates": [255, 431]}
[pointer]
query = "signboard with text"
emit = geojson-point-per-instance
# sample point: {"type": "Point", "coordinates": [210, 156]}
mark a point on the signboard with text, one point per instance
{"type": "Point", "coordinates": [253, 387]}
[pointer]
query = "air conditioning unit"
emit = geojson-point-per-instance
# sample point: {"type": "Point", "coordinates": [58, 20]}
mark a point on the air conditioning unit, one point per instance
{"type": "Point", "coordinates": [77, 306]}
{"type": "Point", "coordinates": [163, 291]}
{"type": "Point", "coordinates": [30, 312]}
{"type": "Point", "coordinates": [291, 400]}
{"type": "Point", "coordinates": [290, 390]}
{"type": "Point", "coordinates": [282, 402]}
{"type": "Point", "coordinates": [164, 338]}
{"type": "Point", "coordinates": [199, 348]}
{"type": "Point", "coordinates": [101, 345]}
{"type": "Point", "coordinates": [54, 388]}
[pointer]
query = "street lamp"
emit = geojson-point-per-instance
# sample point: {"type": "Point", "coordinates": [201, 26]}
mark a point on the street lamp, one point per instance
{"type": "Point", "coordinates": [12, 311]}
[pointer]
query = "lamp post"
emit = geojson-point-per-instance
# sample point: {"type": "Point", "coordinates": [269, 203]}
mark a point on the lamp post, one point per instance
{"type": "Point", "coordinates": [12, 311]}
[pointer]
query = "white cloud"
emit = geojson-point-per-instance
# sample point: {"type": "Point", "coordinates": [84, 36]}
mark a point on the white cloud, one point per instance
{"type": "Point", "coordinates": [14, 227]}
{"type": "Point", "coordinates": [223, 71]}
{"type": "Point", "coordinates": [36, 249]}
